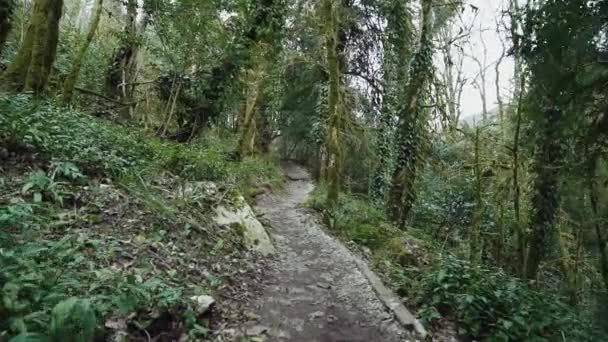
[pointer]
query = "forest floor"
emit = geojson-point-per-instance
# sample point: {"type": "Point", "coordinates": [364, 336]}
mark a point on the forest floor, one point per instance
{"type": "Point", "coordinates": [314, 290]}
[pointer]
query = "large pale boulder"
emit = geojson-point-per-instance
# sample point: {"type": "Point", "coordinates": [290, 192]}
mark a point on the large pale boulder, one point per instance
{"type": "Point", "coordinates": [254, 234]}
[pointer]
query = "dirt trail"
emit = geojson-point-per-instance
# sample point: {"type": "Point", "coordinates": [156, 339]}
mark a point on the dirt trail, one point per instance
{"type": "Point", "coordinates": [315, 291]}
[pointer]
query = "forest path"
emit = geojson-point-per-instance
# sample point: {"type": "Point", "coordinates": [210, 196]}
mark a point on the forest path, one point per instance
{"type": "Point", "coordinates": [315, 291]}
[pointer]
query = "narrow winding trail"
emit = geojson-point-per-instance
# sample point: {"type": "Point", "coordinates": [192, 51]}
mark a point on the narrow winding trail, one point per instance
{"type": "Point", "coordinates": [315, 290]}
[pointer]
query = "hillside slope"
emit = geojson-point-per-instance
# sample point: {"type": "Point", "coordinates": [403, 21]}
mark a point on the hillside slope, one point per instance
{"type": "Point", "coordinates": [107, 229]}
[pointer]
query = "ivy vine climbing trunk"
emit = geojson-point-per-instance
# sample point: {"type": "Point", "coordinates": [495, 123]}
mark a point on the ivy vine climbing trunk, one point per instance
{"type": "Point", "coordinates": [264, 39]}
{"type": "Point", "coordinates": [72, 78]}
{"type": "Point", "coordinates": [330, 18]}
{"type": "Point", "coordinates": [545, 192]}
{"type": "Point", "coordinates": [7, 7]}
{"type": "Point", "coordinates": [411, 117]}
{"type": "Point", "coordinates": [32, 66]}
{"type": "Point", "coordinates": [399, 32]}
{"type": "Point", "coordinates": [249, 112]}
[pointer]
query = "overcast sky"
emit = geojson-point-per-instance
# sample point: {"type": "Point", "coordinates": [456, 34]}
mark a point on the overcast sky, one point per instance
{"type": "Point", "coordinates": [489, 12]}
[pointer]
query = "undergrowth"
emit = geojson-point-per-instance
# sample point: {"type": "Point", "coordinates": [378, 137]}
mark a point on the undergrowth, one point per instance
{"type": "Point", "coordinates": [102, 148]}
{"type": "Point", "coordinates": [60, 282]}
{"type": "Point", "coordinates": [485, 303]}
{"type": "Point", "coordinates": [70, 266]}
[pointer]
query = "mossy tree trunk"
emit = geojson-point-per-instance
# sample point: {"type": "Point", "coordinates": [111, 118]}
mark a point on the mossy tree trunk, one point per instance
{"type": "Point", "coordinates": [70, 81]}
{"type": "Point", "coordinates": [331, 23]}
{"type": "Point", "coordinates": [264, 36]}
{"type": "Point", "coordinates": [247, 126]}
{"type": "Point", "coordinates": [399, 33]}
{"type": "Point", "coordinates": [545, 192]}
{"type": "Point", "coordinates": [264, 131]}
{"type": "Point", "coordinates": [411, 121]}
{"type": "Point", "coordinates": [44, 49]}
{"type": "Point", "coordinates": [475, 241]}
{"type": "Point", "coordinates": [32, 66]}
{"type": "Point", "coordinates": [601, 234]}
{"type": "Point", "coordinates": [7, 7]}
{"type": "Point", "coordinates": [518, 228]}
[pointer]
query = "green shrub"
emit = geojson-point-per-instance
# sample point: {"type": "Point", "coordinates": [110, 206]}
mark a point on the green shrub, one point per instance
{"type": "Point", "coordinates": [98, 146]}
{"type": "Point", "coordinates": [356, 218]}
{"type": "Point", "coordinates": [490, 305]}
{"type": "Point", "coordinates": [255, 171]}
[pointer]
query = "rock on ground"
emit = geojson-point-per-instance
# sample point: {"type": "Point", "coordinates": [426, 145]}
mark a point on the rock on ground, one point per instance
{"type": "Point", "coordinates": [254, 234]}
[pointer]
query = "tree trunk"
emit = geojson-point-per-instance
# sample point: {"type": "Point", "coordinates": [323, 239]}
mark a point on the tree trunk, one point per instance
{"type": "Point", "coordinates": [602, 240]}
{"type": "Point", "coordinates": [249, 114]}
{"type": "Point", "coordinates": [32, 65]}
{"type": "Point", "coordinates": [545, 190]}
{"type": "Point", "coordinates": [266, 15]}
{"type": "Point", "coordinates": [401, 195]}
{"type": "Point", "coordinates": [380, 179]}
{"type": "Point", "coordinates": [397, 54]}
{"type": "Point", "coordinates": [334, 116]}
{"type": "Point", "coordinates": [475, 242]}
{"type": "Point", "coordinates": [7, 7]}
{"type": "Point", "coordinates": [518, 228]}
{"type": "Point", "coordinates": [16, 73]}
{"type": "Point", "coordinates": [497, 82]}
{"type": "Point", "coordinates": [514, 13]}
{"type": "Point", "coordinates": [70, 81]}
{"type": "Point", "coordinates": [264, 134]}
{"type": "Point", "coordinates": [122, 70]}
{"type": "Point", "coordinates": [45, 46]}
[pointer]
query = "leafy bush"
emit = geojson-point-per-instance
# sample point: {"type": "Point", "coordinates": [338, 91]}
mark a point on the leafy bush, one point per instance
{"type": "Point", "coordinates": [356, 218]}
{"type": "Point", "coordinates": [255, 171]}
{"type": "Point", "coordinates": [490, 305]}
